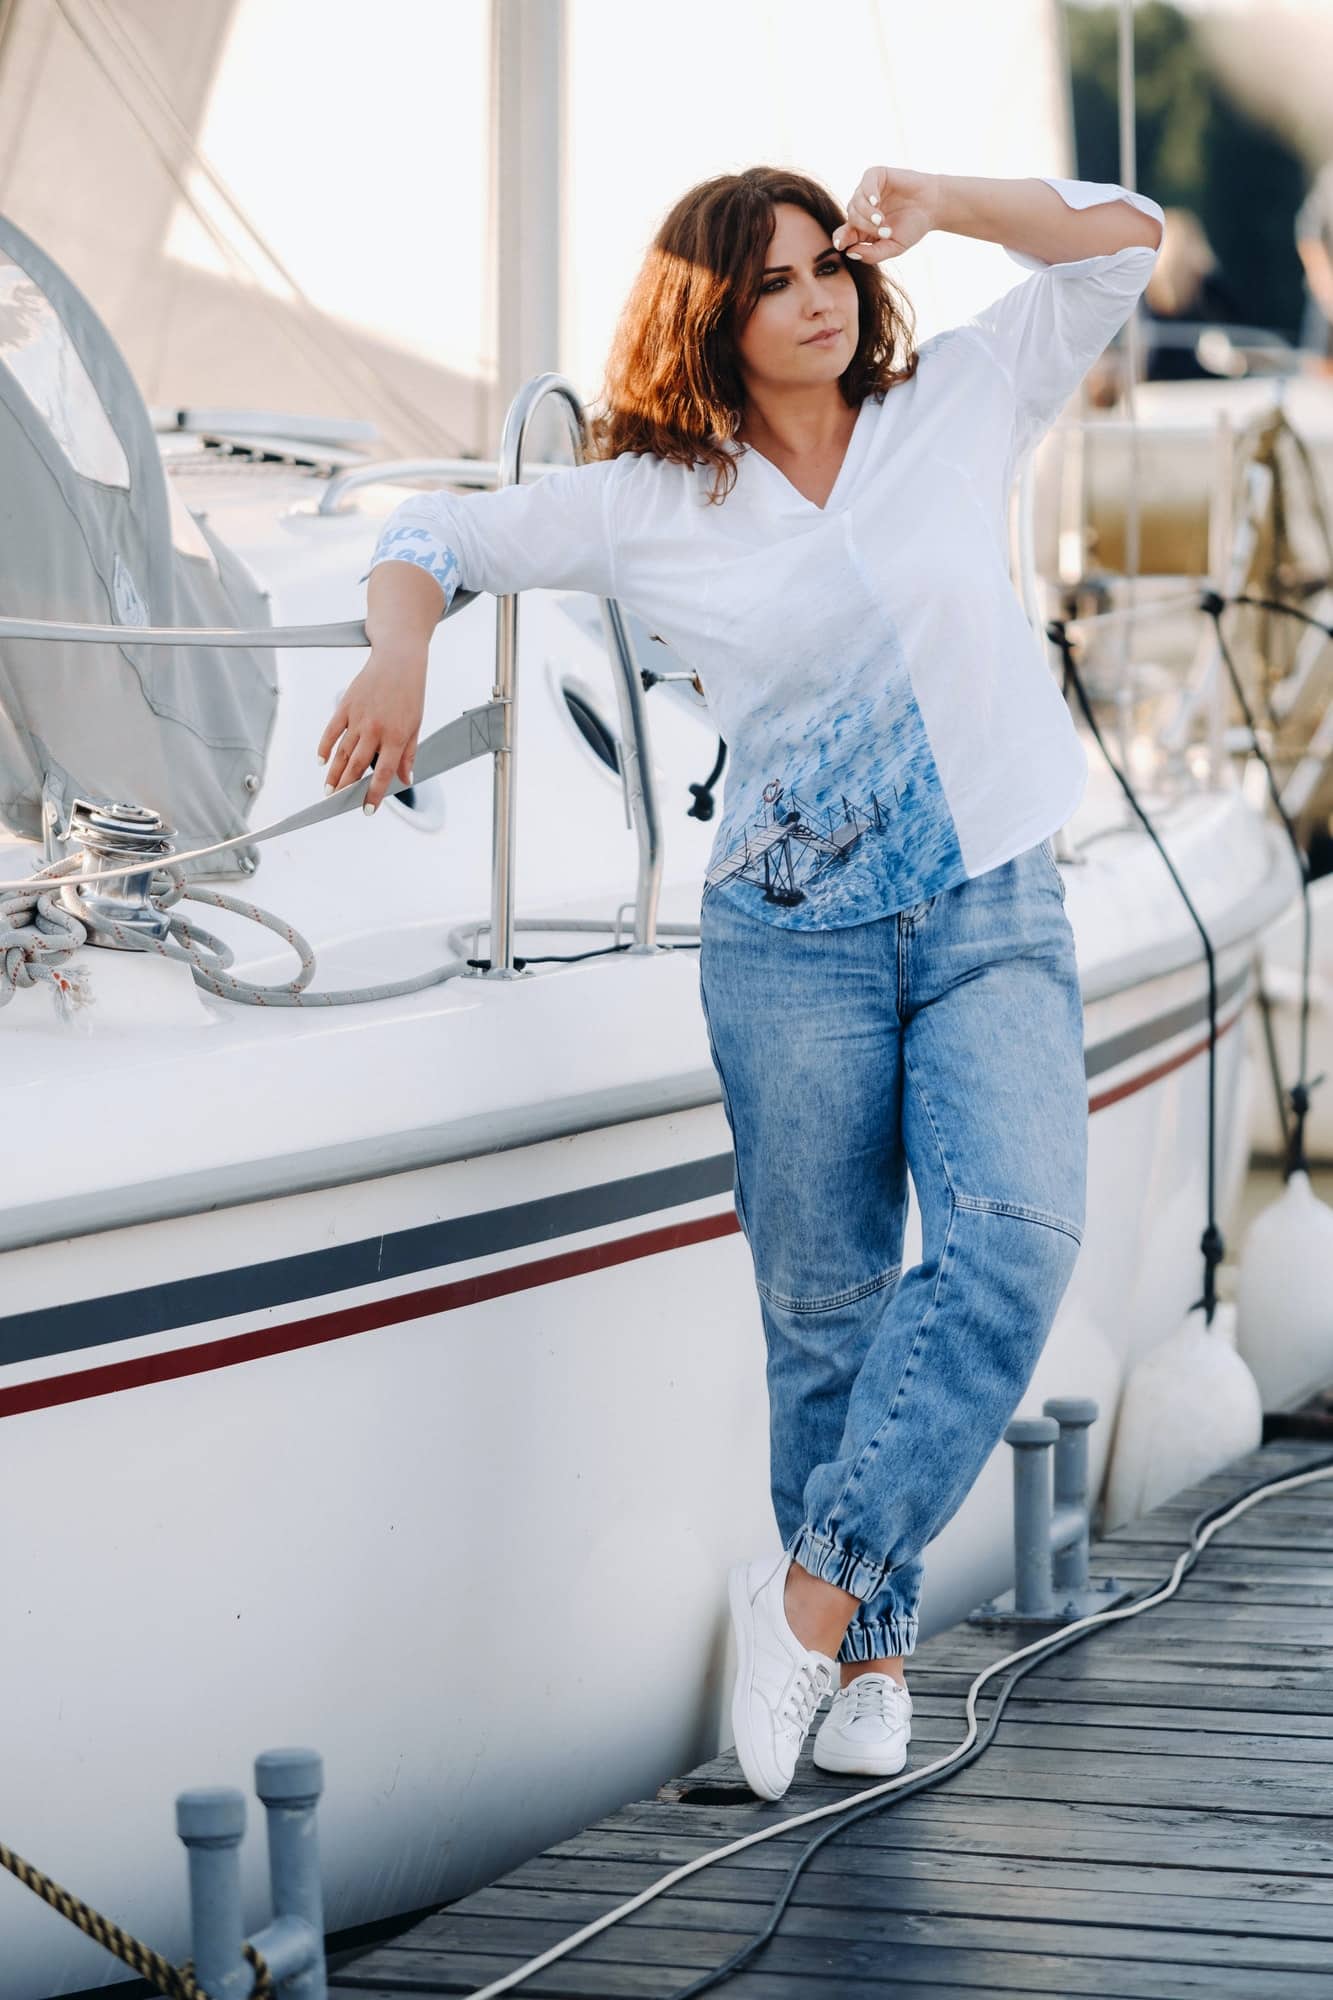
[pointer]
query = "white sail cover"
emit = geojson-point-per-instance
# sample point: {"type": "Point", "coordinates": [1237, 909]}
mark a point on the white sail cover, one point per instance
{"type": "Point", "coordinates": [87, 536]}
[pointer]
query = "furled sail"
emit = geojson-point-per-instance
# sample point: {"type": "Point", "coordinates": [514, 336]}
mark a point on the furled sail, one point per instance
{"type": "Point", "coordinates": [91, 533]}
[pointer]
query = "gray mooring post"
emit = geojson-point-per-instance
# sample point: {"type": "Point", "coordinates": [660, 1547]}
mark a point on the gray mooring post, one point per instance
{"type": "Point", "coordinates": [212, 1823]}
{"type": "Point", "coordinates": [1051, 1528]}
{"type": "Point", "coordinates": [1029, 1438]}
{"type": "Point", "coordinates": [1075, 1415]}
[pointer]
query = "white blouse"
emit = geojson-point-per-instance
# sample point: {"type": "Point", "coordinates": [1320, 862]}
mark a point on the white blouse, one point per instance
{"type": "Point", "coordinates": [891, 723]}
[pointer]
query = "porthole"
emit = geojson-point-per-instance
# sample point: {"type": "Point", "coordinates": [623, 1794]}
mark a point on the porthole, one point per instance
{"type": "Point", "coordinates": [600, 738]}
{"type": "Point", "coordinates": [422, 806]}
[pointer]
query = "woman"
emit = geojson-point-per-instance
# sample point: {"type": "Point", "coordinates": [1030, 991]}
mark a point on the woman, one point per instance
{"type": "Point", "coordinates": [814, 515]}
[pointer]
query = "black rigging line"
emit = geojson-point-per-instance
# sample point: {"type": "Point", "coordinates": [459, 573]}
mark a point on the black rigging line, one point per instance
{"type": "Point", "coordinates": [1299, 1094]}
{"type": "Point", "coordinates": [1211, 1244]}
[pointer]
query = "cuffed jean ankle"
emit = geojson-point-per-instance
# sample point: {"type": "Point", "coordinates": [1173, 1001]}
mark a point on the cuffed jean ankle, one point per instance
{"type": "Point", "coordinates": [945, 1040]}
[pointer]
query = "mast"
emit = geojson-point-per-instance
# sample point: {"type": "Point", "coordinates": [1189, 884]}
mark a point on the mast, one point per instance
{"type": "Point", "coordinates": [527, 111]}
{"type": "Point", "coordinates": [1133, 330]}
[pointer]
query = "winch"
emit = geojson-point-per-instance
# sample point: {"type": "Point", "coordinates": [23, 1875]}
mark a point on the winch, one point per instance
{"type": "Point", "coordinates": [108, 835]}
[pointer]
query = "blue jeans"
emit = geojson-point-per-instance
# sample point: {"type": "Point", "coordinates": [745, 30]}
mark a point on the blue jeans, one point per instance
{"type": "Point", "coordinates": [945, 1039]}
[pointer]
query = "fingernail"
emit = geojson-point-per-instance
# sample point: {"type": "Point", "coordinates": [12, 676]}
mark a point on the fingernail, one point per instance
{"type": "Point", "coordinates": [328, 789]}
{"type": "Point", "coordinates": [886, 231]}
{"type": "Point", "coordinates": [367, 807]}
{"type": "Point", "coordinates": [856, 254]}
{"type": "Point", "coordinates": [875, 215]}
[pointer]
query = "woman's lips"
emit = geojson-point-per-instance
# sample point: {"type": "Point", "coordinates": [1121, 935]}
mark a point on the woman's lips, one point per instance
{"type": "Point", "coordinates": [823, 339]}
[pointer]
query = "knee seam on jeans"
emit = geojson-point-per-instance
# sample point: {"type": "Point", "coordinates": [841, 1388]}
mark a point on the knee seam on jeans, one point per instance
{"type": "Point", "coordinates": [1024, 1211]}
{"type": "Point", "coordinates": [834, 1299]}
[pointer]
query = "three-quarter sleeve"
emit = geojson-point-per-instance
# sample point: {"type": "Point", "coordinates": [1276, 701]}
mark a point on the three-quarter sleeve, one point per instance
{"type": "Point", "coordinates": [553, 533]}
{"type": "Point", "coordinates": [1045, 333]}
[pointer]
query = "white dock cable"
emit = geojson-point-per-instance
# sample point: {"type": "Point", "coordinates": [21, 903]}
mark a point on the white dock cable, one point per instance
{"type": "Point", "coordinates": [875, 1797]}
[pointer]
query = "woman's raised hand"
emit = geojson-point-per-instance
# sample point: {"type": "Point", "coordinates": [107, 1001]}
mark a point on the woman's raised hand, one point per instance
{"type": "Point", "coordinates": [892, 209]}
{"type": "Point", "coordinates": [379, 718]}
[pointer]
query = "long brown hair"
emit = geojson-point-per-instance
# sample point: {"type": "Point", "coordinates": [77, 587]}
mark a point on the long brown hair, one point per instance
{"type": "Point", "coordinates": [673, 383]}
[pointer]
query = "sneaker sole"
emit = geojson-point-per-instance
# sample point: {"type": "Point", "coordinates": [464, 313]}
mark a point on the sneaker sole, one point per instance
{"type": "Point", "coordinates": [742, 1619]}
{"type": "Point", "coordinates": [849, 1763]}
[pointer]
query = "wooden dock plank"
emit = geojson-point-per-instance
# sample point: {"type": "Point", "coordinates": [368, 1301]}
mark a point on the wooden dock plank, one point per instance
{"type": "Point", "coordinates": [1255, 1724]}
{"type": "Point", "coordinates": [1152, 1821]}
{"type": "Point", "coordinates": [937, 1857]}
{"type": "Point", "coordinates": [1139, 1781]}
{"type": "Point", "coordinates": [1041, 1827]}
{"type": "Point", "coordinates": [604, 1980]}
{"type": "Point", "coordinates": [1039, 1732]}
{"type": "Point", "coordinates": [1159, 1683]}
{"type": "Point", "coordinates": [1133, 1899]}
{"type": "Point", "coordinates": [1043, 1958]}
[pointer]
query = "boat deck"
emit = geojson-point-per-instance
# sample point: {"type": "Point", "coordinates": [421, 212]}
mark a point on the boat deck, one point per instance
{"type": "Point", "coordinates": [1154, 1818]}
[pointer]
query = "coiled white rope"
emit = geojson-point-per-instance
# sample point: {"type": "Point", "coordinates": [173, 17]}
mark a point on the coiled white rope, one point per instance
{"type": "Point", "coordinates": [39, 938]}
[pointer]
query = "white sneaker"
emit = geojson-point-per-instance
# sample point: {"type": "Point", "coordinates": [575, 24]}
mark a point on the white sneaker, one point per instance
{"type": "Point", "coordinates": [779, 1681]}
{"type": "Point", "coordinates": [867, 1727]}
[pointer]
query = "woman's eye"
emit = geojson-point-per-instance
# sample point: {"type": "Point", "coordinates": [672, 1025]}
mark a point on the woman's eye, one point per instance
{"type": "Point", "coordinates": [827, 269]}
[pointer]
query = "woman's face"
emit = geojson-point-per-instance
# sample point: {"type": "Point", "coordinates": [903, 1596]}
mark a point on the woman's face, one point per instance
{"type": "Point", "coordinates": [807, 290]}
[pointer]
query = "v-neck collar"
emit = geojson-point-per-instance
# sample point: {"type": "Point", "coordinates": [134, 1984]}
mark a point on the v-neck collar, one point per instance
{"type": "Point", "coordinates": [851, 458]}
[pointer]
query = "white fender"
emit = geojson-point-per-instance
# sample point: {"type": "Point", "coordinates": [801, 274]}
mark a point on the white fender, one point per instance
{"type": "Point", "coordinates": [1188, 1408]}
{"type": "Point", "coordinates": [1284, 1296]}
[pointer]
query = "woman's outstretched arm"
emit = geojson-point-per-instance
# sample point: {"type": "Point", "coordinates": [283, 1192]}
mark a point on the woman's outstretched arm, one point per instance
{"type": "Point", "coordinates": [1090, 245]}
{"type": "Point", "coordinates": [893, 208]}
{"type": "Point", "coordinates": [1029, 217]}
{"type": "Point", "coordinates": [556, 532]}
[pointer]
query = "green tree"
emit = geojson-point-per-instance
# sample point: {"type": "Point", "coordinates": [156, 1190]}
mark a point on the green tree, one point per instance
{"type": "Point", "coordinates": [1197, 148]}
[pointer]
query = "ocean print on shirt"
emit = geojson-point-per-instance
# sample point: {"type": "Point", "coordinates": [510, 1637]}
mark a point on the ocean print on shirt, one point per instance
{"type": "Point", "coordinates": [854, 816]}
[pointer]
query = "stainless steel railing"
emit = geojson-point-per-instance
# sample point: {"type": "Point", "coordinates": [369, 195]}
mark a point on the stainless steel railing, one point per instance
{"type": "Point", "coordinates": [636, 763]}
{"type": "Point", "coordinates": [483, 473]}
